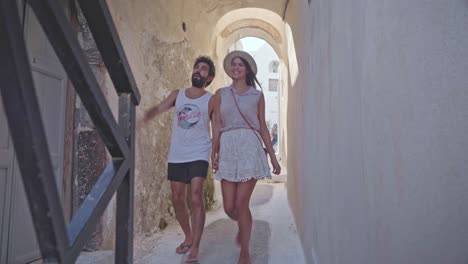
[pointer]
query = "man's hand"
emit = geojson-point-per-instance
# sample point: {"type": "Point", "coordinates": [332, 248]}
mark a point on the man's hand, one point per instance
{"type": "Point", "coordinates": [165, 105]}
{"type": "Point", "coordinates": [148, 116]}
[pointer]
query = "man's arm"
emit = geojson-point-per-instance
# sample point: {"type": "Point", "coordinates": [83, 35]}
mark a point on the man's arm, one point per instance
{"type": "Point", "coordinates": [165, 105]}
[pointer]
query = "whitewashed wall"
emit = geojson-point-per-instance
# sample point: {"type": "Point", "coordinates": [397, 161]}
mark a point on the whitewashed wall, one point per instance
{"type": "Point", "coordinates": [378, 130]}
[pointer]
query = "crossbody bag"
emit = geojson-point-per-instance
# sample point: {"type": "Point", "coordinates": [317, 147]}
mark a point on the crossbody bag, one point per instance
{"type": "Point", "coordinates": [245, 119]}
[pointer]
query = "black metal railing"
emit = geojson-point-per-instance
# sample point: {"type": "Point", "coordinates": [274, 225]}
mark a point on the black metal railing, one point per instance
{"type": "Point", "coordinates": [59, 242]}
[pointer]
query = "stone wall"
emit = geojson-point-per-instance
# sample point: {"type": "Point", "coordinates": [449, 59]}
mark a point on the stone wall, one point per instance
{"type": "Point", "coordinates": [161, 57]}
{"type": "Point", "coordinates": [90, 153]}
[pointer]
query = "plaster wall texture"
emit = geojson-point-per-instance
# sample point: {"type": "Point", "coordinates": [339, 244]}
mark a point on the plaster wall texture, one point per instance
{"type": "Point", "coordinates": [161, 58]}
{"type": "Point", "coordinates": [377, 130]}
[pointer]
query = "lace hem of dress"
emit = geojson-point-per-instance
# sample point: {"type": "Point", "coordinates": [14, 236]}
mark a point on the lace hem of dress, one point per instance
{"type": "Point", "coordinates": [234, 179]}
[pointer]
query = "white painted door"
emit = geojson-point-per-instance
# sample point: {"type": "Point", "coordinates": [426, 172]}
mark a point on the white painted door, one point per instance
{"type": "Point", "coordinates": [7, 164]}
{"type": "Point", "coordinates": [51, 82]}
{"type": "Point", "coordinates": [6, 176]}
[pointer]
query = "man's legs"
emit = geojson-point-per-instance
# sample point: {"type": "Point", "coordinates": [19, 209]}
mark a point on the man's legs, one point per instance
{"type": "Point", "coordinates": [180, 207]}
{"type": "Point", "coordinates": [229, 190]}
{"type": "Point", "coordinates": [197, 214]}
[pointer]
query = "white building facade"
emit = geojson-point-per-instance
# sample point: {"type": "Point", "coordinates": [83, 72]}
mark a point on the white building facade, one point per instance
{"type": "Point", "coordinates": [268, 76]}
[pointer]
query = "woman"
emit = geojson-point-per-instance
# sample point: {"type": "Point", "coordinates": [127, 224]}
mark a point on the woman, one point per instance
{"type": "Point", "coordinates": [239, 132]}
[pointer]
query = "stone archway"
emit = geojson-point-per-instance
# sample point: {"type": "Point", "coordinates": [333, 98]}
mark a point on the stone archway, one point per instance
{"type": "Point", "coordinates": [162, 41]}
{"type": "Point", "coordinates": [264, 24]}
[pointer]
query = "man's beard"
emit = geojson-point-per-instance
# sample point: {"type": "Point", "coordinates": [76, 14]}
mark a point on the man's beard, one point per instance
{"type": "Point", "coordinates": [199, 83]}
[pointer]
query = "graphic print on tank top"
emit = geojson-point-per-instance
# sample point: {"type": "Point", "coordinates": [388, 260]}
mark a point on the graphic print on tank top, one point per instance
{"type": "Point", "coordinates": [188, 116]}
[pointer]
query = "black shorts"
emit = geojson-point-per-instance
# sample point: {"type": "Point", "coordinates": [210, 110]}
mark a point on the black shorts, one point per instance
{"type": "Point", "coordinates": [186, 171]}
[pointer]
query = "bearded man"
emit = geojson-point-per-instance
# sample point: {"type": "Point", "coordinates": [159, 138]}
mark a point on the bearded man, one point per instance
{"type": "Point", "coordinates": [189, 151]}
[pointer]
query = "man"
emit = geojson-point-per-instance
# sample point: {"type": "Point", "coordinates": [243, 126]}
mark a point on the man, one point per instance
{"type": "Point", "coordinates": [189, 151]}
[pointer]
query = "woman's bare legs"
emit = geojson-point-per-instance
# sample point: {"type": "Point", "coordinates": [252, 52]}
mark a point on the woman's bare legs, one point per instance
{"type": "Point", "coordinates": [229, 198]}
{"type": "Point", "coordinates": [244, 218]}
{"type": "Point", "coordinates": [236, 200]}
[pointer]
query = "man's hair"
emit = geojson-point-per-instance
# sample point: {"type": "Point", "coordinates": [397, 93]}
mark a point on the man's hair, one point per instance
{"type": "Point", "coordinates": [210, 63]}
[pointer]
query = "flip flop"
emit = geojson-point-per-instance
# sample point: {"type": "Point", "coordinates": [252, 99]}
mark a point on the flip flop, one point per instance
{"type": "Point", "coordinates": [183, 248]}
{"type": "Point", "coordinates": [192, 259]}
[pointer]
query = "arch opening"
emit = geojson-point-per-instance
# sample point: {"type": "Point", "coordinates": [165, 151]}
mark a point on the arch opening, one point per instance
{"type": "Point", "coordinates": [268, 26]}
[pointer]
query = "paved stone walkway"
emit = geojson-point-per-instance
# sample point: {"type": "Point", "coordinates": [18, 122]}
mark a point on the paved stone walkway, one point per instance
{"type": "Point", "coordinates": [274, 236]}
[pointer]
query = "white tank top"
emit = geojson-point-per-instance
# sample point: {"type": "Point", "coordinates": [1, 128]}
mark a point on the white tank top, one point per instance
{"type": "Point", "coordinates": [191, 138]}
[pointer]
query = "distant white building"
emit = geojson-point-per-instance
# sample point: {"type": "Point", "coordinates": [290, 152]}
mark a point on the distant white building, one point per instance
{"type": "Point", "coordinates": [268, 76]}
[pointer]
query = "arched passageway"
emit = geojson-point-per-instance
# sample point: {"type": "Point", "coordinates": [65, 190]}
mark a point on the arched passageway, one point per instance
{"type": "Point", "coordinates": [162, 42]}
{"type": "Point", "coordinates": [264, 24]}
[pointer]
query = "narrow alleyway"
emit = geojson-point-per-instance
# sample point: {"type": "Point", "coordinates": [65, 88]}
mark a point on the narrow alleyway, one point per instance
{"type": "Point", "coordinates": [274, 236]}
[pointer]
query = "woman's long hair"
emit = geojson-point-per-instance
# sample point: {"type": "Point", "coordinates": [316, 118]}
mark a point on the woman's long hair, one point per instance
{"type": "Point", "coordinates": [250, 78]}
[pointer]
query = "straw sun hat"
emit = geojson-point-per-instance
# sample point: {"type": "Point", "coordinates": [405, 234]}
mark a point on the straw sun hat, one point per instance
{"type": "Point", "coordinates": [242, 54]}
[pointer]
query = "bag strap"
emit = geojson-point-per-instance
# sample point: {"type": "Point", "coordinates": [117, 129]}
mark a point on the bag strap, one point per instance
{"type": "Point", "coordinates": [245, 119]}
